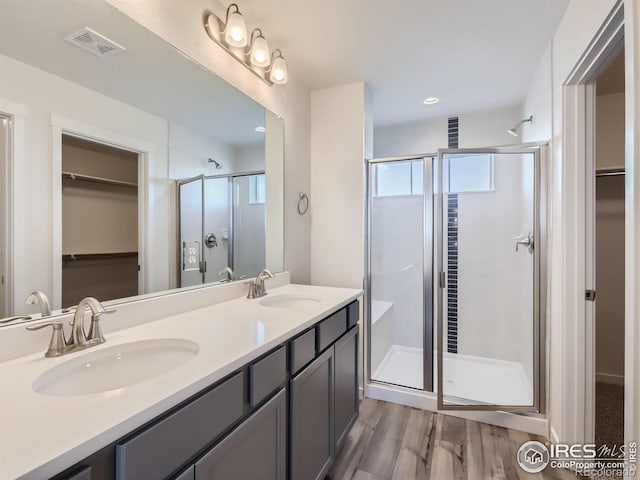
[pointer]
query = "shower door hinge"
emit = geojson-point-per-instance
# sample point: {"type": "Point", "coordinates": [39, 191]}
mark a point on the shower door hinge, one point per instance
{"type": "Point", "coordinates": [443, 280]}
{"type": "Point", "coordinates": [590, 296]}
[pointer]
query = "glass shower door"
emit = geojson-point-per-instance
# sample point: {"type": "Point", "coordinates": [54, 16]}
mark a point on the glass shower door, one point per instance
{"type": "Point", "coordinates": [217, 227]}
{"type": "Point", "coordinates": [190, 223]}
{"type": "Point", "coordinates": [249, 226]}
{"type": "Point", "coordinates": [488, 326]}
{"type": "Point", "coordinates": [400, 252]}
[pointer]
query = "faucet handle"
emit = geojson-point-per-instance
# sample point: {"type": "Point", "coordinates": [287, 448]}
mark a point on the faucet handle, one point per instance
{"type": "Point", "coordinates": [57, 342]}
{"type": "Point", "coordinates": [95, 331]}
{"type": "Point", "coordinates": [253, 289]}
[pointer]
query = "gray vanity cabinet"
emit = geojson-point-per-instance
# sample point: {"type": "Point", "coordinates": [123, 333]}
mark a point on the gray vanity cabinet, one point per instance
{"type": "Point", "coordinates": [311, 441]}
{"type": "Point", "coordinates": [256, 450]}
{"type": "Point", "coordinates": [281, 416]}
{"type": "Point", "coordinates": [345, 385]}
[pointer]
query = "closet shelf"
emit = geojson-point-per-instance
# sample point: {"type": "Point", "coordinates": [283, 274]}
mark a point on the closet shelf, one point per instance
{"type": "Point", "coordinates": [106, 181]}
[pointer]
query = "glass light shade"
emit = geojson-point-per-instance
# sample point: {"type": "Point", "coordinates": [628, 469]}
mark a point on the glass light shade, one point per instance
{"type": "Point", "coordinates": [235, 31]}
{"type": "Point", "coordinates": [260, 53]}
{"type": "Point", "coordinates": [278, 71]}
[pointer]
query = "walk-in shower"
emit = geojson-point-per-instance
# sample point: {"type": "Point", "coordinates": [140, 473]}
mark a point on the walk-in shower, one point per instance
{"type": "Point", "coordinates": [452, 304]}
{"type": "Point", "coordinates": [221, 224]}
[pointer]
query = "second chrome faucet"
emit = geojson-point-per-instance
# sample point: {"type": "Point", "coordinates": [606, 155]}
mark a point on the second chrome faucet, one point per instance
{"type": "Point", "coordinates": [257, 288]}
{"type": "Point", "coordinates": [78, 339]}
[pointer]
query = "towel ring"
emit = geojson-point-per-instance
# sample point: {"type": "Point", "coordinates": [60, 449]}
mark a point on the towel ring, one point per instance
{"type": "Point", "coordinates": [303, 203]}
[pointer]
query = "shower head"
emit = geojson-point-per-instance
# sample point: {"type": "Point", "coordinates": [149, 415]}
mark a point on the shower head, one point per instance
{"type": "Point", "coordinates": [217, 164]}
{"type": "Point", "coordinates": [515, 129]}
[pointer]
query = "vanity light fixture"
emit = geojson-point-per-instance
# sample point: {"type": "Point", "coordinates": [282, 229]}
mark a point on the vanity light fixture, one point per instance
{"type": "Point", "coordinates": [258, 49]}
{"type": "Point", "coordinates": [261, 129]}
{"type": "Point", "coordinates": [278, 69]}
{"type": "Point", "coordinates": [235, 30]}
{"type": "Point", "coordinates": [431, 100]}
{"type": "Point", "coordinates": [254, 52]}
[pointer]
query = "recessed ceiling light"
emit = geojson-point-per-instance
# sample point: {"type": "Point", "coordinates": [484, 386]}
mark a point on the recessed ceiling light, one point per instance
{"type": "Point", "coordinates": [431, 100]}
{"type": "Point", "coordinates": [261, 129]}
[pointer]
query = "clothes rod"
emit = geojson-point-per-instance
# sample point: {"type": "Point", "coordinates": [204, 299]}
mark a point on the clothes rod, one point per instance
{"type": "Point", "coordinates": [609, 172]}
{"type": "Point", "coordinates": [98, 256]}
{"type": "Point", "coordinates": [106, 181]}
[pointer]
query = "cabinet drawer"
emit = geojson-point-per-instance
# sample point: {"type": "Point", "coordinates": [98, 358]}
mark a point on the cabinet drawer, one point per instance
{"type": "Point", "coordinates": [303, 350]}
{"type": "Point", "coordinates": [267, 375]}
{"type": "Point", "coordinates": [165, 446]}
{"type": "Point", "coordinates": [256, 450]}
{"type": "Point", "coordinates": [331, 329]}
{"type": "Point", "coordinates": [353, 314]}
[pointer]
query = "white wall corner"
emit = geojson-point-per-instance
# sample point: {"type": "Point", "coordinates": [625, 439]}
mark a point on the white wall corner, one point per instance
{"type": "Point", "coordinates": [338, 140]}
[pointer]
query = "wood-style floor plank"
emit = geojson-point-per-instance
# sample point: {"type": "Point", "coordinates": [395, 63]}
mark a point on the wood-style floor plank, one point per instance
{"type": "Point", "coordinates": [394, 442]}
{"type": "Point", "coordinates": [412, 457]}
{"type": "Point", "coordinates": [382, 452]}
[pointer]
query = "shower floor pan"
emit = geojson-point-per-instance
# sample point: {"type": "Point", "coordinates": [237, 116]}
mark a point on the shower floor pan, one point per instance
{"type": "Point", "coordinates": [480, 379]}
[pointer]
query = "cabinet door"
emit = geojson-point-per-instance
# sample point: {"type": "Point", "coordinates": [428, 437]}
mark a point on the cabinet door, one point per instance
{"type": "Point", "coordinates": [311, 441]}
{"type": "Point", "coordinates": [346, 385]}
{"type": "Point", "coordinates": [256, 450]}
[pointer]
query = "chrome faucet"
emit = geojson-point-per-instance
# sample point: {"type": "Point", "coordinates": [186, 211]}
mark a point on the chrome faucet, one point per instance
{"type": "Point", "coordinates": [78, 340]}
{"type": "Point", "coordinates": [41, 299]}
{"type": "Point", "coordinates": [229, 272]}
{"type": "Point", "coordinates": [78, 336]}
{"type": "Point", "coordinates": [257, 288]}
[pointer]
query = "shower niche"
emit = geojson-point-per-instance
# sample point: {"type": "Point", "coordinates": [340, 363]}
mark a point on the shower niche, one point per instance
{"type": "Point", "coordinates": [453, 286]}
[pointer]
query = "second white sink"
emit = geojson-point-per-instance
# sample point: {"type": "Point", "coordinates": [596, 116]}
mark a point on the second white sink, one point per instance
{"type": "Point", "coordinates": [116, 367]}
{"type": "Point", "coordinates": [288, 301]}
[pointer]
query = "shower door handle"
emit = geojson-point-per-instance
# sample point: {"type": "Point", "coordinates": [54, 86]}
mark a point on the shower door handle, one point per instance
{"type": "Point", "coordinates": [527, 241]}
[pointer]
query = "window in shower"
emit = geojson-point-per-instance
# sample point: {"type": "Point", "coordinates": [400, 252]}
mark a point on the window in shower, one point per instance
{"type": "Point", "coordinates": [397, 178]}
{"type": "Point", "coordinates": [257, 188]}
{"type": "Point", "coordinates": [397, 279]}
{"type": "Point", "coordinates": [470, 173]}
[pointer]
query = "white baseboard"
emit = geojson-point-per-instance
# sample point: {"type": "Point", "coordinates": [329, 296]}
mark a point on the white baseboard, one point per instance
{"type": "Point", "coordinates": [610, 378]}
{"type": "Point", "coordinates": [428, 401]}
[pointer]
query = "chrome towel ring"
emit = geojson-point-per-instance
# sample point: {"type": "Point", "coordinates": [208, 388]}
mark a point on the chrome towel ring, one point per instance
{"type": "Point", "coordinates": [303, 203]}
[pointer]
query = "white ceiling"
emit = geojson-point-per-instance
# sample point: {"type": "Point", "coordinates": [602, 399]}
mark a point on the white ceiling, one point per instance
{"type": "Point", "coordinates": [150, 74]}
{"type": "Point", "coordinates": [473, 54]}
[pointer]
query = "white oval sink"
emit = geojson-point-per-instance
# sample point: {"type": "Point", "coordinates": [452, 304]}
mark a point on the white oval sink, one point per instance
{"type": "Point", "coordinates": [115, 367]}
{"type": "Point", "coordinates": [288, 301]}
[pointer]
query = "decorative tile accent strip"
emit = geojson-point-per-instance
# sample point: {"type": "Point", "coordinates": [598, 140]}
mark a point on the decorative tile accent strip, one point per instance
{"type": "Point", "coordinates": [452, 252]}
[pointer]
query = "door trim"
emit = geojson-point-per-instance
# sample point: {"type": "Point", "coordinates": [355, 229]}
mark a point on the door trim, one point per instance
{"type": "Point", "coordinates": [537, 149]}
{"type": "Point", "coordinates": [578, 127]}
{"type": "Point", "coordinates": [63, 126]}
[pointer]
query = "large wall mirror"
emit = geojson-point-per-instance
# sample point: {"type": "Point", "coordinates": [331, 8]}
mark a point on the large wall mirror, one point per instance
{"type": "Point", "coordinates": [126, 168]}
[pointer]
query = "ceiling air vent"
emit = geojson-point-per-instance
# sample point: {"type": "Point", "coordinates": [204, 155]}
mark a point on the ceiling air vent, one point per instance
{"type": "Point", "coordinates": [93, 42]}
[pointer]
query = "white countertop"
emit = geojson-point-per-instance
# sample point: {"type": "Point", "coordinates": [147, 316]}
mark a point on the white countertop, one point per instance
{"type": "Point", "coordinates": [42, 435]}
